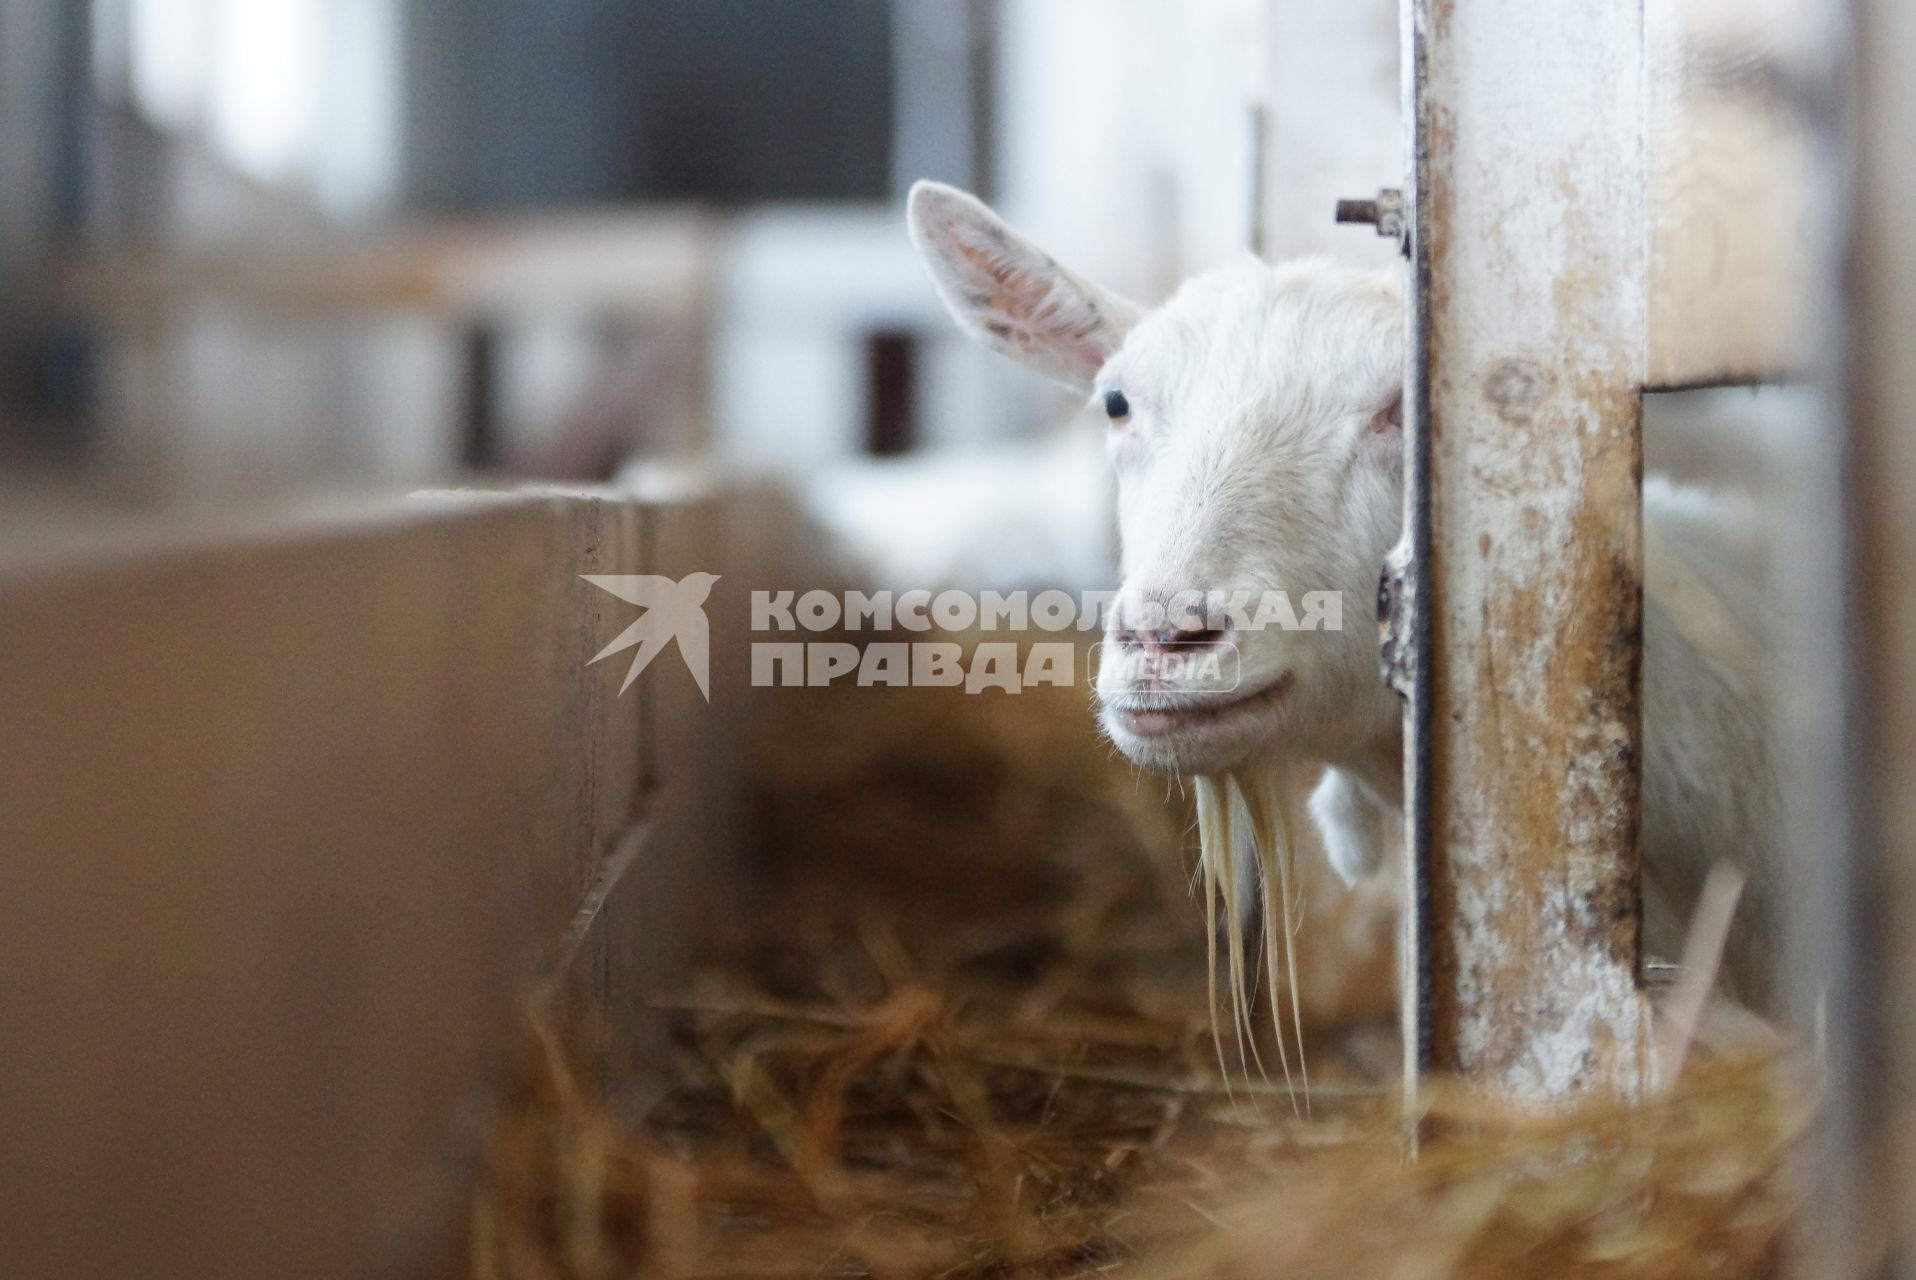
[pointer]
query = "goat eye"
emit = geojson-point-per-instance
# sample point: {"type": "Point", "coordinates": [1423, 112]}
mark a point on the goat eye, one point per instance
{"type": "Point", "coordinates": [1116, 406]}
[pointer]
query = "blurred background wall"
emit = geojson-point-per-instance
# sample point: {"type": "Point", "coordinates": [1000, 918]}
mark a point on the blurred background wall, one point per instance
{"type": "Point", "coordinates": [249, 246]}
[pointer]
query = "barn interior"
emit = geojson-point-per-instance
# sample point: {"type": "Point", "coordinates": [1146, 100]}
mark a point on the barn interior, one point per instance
{"type": "Point", "coordinates": [381, 897]}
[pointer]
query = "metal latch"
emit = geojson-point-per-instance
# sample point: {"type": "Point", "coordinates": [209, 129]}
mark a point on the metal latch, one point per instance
{"type": "Point", "coordinates": [1386, 213]}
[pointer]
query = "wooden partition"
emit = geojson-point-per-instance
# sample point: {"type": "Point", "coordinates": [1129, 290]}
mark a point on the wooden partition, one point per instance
{"type": "Point", "coordinates": [290, 816]}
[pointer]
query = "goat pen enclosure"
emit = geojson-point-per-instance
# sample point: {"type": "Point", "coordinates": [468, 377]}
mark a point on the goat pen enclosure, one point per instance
{"type": "Point", "coordinates": [302, 811]}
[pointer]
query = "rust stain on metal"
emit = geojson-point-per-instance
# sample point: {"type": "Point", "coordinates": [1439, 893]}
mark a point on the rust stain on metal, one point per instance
{"type": "Point", "coordinates": [1531, 259]}
{"type": "Point", "coordinates": [1553, 759]}
{"type": "Point", "coordinates": [1513, 386]}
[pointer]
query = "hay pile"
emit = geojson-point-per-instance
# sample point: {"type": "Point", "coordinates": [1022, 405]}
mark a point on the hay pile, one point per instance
{"type": "Point", "coordinates": [969, 1038]}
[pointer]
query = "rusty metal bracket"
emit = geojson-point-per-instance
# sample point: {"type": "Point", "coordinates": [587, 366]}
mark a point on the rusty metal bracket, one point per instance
{"type": "Point", "coordinates": [1397, 620]}
{"type": "Point", "coordinates": [1386, 212]}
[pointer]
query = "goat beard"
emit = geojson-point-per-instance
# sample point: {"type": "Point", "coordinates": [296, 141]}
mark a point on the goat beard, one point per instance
{"type": "Point", "coordinates": [1246, 842]}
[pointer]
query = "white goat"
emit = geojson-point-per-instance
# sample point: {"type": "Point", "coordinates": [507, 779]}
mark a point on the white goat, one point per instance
{"type": "Point", "coordinates": [1256, 434]}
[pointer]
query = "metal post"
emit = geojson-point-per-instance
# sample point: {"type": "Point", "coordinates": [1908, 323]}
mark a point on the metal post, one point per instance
{"type": "Point", "coordinates": [1527, 310]}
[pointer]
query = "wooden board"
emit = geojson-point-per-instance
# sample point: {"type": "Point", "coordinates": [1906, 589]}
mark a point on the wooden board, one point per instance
{"type": "Point", "coordinates": [289, 818]}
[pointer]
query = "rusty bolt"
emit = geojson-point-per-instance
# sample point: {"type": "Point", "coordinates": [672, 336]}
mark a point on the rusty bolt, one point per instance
{"type": "Point", "coordinates": [1357, 211]}
{"type": "Point", "coordinates": [1386, 213]}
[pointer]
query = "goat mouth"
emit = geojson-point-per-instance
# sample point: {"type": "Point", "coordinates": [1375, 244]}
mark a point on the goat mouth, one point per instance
{"type": "Point", "coordinates": [1148, 716]}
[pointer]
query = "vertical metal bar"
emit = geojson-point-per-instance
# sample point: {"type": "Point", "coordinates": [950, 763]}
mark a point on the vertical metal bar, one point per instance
{"type": "Point", "coordinates": [1528, 269]}
{"type": "Point", "coordinates": [1407, 577]}
{"type": "Point", "coordinates": [1851, 637]}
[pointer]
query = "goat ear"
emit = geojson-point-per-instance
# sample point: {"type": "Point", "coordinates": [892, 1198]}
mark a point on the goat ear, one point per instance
{"type": "Point", "coordinates": [1389, 420]}
{"type": "Point", "coordinates": [1010, 295]}
{"type": "Point", "coordinates": [1382, 441]}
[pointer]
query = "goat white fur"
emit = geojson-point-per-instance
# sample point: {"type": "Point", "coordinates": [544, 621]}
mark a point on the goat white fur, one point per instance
{"type": "Point", "coordinates": [1260, 449]}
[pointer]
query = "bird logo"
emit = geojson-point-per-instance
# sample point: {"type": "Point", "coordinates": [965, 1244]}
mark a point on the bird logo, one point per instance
{"type": "Point", "coordinates": [673, 611]}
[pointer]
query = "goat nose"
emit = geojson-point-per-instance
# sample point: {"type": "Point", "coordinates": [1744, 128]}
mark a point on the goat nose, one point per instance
{"type": "Point", "coordinates": [1180, 634]}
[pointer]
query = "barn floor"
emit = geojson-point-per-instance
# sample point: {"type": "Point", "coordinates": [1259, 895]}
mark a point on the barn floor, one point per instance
{"type": "Point", "coordinates": [968, 1037]}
